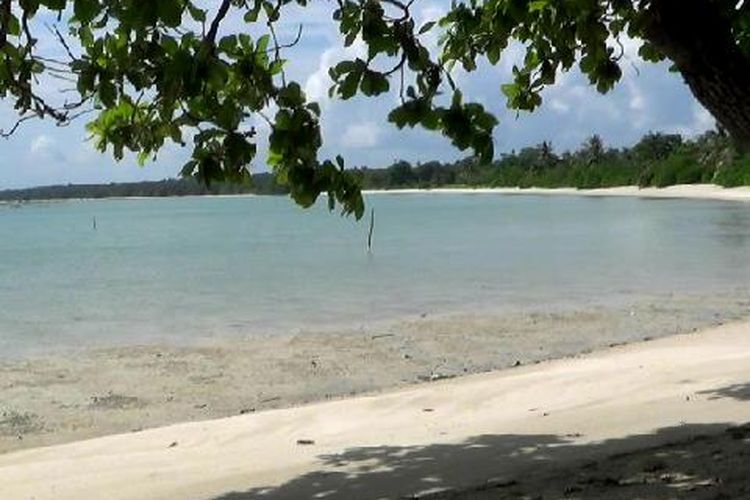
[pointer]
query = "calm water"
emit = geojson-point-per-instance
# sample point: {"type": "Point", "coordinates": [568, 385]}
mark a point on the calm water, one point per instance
{"type": "Point", "coordinates": [197, 267]}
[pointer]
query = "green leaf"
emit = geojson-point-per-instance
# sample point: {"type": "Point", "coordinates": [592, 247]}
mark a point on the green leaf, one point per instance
{"type": "Point", "coordinates": [54, 4]}
{"type": "Point", "coordinates": [373, 83]}
{"type": "Point", "coordinates": [170, 12]}
{"type": "Point", "coordinates": [348, 87]}
{"type": "Point", "coordinates": [196, 13]}
{"type": "Point", "coordinates": [344, 67]}
{"type": "Point", "coordinates": [291, 96]}
{"type": "Point", "coordinates": [493, 54]}
{"type": "Point", "coordinates": [143, 157]}
{"type": "Point", "coordinates": [426, 27]}
{"type": "Point", "coordinates": [14, 26]}
{"type": "Point", "coordinates": [107, 93]}
{"type": "Point", "coordinates": [251, 15]}
{"type": "Point", "coordinates": [276, 67]}
{"type": "Point", "coordinates": [262, 43]}
{"type": "Point", "coordinates": [511, 90]}
{"type": "Point", "coordinates": [86, 10]}
{"type": "Point", "coordinates": [228, 43]}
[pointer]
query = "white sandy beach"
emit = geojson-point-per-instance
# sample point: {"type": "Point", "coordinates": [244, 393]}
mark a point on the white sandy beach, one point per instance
{"type": "Point", "coordinates": [690, 191]}
{"type": "Point", "coordinates": [687, 191]}
{"type": "Point", "coordinates": [460, 433]}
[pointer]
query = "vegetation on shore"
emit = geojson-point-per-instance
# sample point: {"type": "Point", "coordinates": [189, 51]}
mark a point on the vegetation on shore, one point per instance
{"type": "Point", "coordinates": [263, 183]}
{"type": "Point", "coordinates": [656, 160]}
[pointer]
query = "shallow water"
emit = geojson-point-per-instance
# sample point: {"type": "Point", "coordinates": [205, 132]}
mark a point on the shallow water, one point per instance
{"type": "Point", "coordinates": [191, 268]}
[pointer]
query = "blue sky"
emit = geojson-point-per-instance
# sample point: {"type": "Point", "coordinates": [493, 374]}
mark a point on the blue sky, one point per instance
{"type": "Point", "coordinates": [648, 98]}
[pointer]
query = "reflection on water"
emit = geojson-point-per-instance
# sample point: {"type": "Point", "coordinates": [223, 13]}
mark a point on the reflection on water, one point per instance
{"type": "Point", "coordinates": [183, 268]}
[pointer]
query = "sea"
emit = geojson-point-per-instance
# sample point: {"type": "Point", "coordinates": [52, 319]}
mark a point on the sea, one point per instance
{"type": "Point", "coordinates": [131, 271]}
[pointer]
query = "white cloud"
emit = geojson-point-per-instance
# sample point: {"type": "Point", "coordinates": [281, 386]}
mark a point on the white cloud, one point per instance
{"type": "Point", "coordinates": [637, 104]}
{"type": "Point", "coordinates": [702, 121]}
{"type": "Point", "coordinates": [431, 12]}
{"type": "Point", "coordinates": [317, 84]}
{"type": "Point", "coordinates": [559, 106]}
{"type": "Point", "coordinates": [361, 135]}
{"type": "Point", "coordinates": [42, 145]}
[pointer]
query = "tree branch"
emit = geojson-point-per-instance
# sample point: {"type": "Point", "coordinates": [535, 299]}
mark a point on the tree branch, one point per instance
{"type": "Point", "coordinates": [62, 41]}
{"type": "Point", "coordinates": [4, 22]}
{"type": "Point", "coordinates": [220, 15]}
{"type": "Point", "coordinates": [12, 130]}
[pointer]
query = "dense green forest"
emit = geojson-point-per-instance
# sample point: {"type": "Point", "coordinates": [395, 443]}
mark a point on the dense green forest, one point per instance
{"type": "Point", "coordinates": [656, 160]}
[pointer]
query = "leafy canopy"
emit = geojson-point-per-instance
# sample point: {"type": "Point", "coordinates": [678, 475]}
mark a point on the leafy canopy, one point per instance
{"type": "Point", "coordinates": [154, 71]}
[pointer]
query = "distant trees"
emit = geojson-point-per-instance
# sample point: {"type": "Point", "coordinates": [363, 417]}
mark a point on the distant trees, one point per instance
{"type": "Point", "coordinates": [656, 146]}
{"type": "Point", "coordinates": [262, 184]}
{"type": "Point", "coordinates": [400, 174]}
{"type": "Point", "coordinates": [592, 150]}
{"type": "Point", "coordinates": [656, 160]}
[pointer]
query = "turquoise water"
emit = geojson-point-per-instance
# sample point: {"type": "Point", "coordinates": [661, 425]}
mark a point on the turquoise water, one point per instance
{"type": "Point", "coordinates": [190, 268]}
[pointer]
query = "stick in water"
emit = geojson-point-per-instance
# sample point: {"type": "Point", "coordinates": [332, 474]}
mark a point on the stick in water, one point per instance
{"type": "Point", "coordinates": [93, 222]}
{"type": "Point", "coordinates": [372, 227]}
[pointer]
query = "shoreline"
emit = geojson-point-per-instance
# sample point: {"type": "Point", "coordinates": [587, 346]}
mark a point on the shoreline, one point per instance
{"type": "Point", "coordinates": [506, 429]}
{"type": "Point", "coordinates": [57, 398]}
{"type": "Point", "coordinates": [677, 191]}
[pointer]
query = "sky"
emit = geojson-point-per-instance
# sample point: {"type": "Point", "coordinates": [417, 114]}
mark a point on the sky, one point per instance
{"type": "Point", "coordinates": [648, 98]}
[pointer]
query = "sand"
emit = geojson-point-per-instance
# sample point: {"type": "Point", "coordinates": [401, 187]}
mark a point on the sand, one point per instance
{"type": "Point", "coordinates": [479, 434]}
{"type": "Point", "coordinates": [68, 396]}
{"type": "Point", "coordinates": [692, 191]}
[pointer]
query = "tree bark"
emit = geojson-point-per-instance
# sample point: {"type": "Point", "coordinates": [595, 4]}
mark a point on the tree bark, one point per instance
{"type": "Point", "coordinates": [697, 36]}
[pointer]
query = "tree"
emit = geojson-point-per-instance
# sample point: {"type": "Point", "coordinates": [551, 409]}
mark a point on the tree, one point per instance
{"type": "Point", "coordinates": [592, 150]}
{"type": "Point", "coordinates": [153, 71]}
{"type": "Point", "coordinates": [656, 146]}
{"type": "Point", "coordinates": [400, 174]}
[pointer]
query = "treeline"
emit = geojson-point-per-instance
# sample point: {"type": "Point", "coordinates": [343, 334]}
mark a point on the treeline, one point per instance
{"type": "Point", "coordinates": [656, 160]}
{"type": "Point", "coordinates": [262, 183]}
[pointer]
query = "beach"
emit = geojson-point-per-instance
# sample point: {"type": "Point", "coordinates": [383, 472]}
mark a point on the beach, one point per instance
{"type": "Point", "coordinates": [62, 397]}
{"type": "Point", "coordinates": [653, 419]}
{"type": "Point", "coordinates": [679, 191]}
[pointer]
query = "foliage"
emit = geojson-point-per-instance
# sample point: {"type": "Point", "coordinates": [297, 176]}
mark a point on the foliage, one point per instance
{"type": "Point", "coordinates": [656, 160]}
{"type": "Point", "coordinates": [734, 174]}
{"type": "Point", "coordinates": [155, 71]}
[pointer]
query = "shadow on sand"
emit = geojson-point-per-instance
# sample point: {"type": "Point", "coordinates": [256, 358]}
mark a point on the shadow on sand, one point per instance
{"type": "Point", "coordinates": [740, 392]}
{"type": "Point", "coordinates": [685, 461]}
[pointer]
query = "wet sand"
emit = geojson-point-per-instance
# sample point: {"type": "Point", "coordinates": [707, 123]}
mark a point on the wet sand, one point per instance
{"type": "Point", "coordinates": [65, 397]}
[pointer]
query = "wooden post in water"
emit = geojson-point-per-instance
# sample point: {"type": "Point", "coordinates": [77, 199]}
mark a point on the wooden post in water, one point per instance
{"type": "Point", "coordinates": [369, 234]}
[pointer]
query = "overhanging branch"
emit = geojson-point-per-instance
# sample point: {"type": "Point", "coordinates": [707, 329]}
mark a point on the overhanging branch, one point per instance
{"type": "Point", "coordinates": [220, 15]}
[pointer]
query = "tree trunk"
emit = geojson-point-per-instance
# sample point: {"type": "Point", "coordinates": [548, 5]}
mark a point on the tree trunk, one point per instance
{"type": "Point", "coordinates": [697, 36]}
